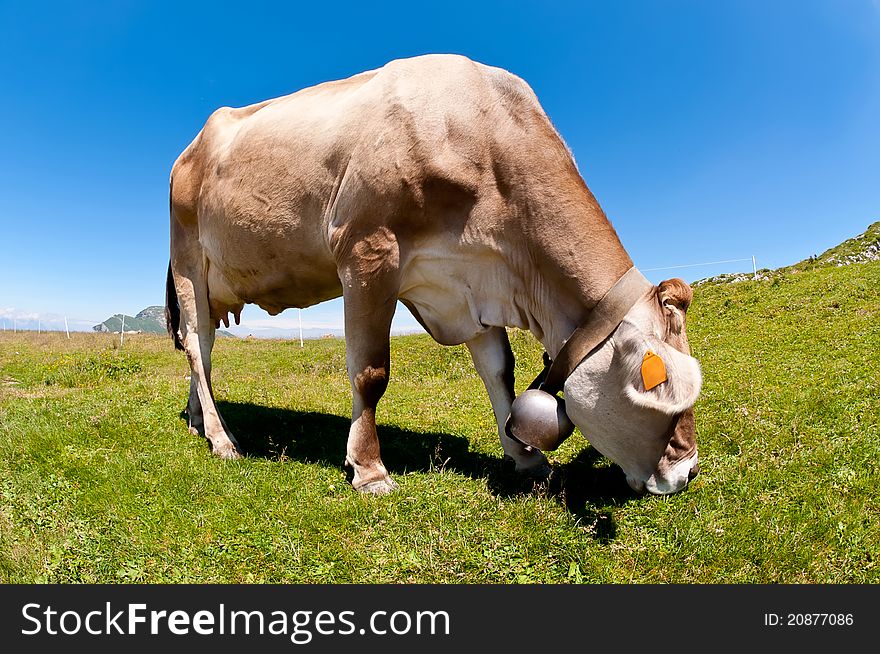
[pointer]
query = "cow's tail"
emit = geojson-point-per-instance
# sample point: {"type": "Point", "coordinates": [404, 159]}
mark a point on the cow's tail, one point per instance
{"type": "Point", "coordinates": [172, 309]}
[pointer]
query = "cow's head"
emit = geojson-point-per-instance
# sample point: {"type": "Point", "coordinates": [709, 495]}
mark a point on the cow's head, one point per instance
{"type": "Point", "coordinates": [647, 432]}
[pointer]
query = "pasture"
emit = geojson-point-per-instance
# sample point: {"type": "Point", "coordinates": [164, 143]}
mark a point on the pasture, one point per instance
{"type": "Point", "coordinates": [101, 482]}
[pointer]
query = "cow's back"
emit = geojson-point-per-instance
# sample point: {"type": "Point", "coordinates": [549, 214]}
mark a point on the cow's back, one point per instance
{"type": "Point", "coordinates": [436, 151]}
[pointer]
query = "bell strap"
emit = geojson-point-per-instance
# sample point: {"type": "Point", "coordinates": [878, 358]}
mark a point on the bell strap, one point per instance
{"type": "Point", "coordinates": [538, 381]}
{"type": "Point", "coordinates": [602, 321]}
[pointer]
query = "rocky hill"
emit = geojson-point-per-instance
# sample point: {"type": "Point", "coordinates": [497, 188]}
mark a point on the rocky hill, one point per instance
{"type": "Point", "coordinates": [859, 249]}
{"type": "Point", "coordinates": [151, 319]}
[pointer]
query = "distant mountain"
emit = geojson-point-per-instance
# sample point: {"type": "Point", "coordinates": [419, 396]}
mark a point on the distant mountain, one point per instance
{"type": "Point", "coordinates": [155, 313]}
{"type": "Point", "coordinates": [150, 320]}
{"type": "Point", "coordinates": [858, 249]}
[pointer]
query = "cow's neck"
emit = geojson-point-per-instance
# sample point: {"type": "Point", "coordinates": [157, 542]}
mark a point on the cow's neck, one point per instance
{"type": "Point", "coordinates": [577, 258]}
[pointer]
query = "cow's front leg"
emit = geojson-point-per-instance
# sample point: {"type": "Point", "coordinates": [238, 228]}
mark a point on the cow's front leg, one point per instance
{"type": "Point", "coordinates": [369, 300]}
{"type": "Point", "coordinates": [494, 362]}
{"type": "Point", "coordinates": [196, 333]}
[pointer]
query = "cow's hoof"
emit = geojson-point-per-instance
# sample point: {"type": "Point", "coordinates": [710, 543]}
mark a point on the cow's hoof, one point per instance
{"type": "Point", "coordinates": [539, 472]}
{"type": "Point", "coordinates": [227, 453]}
{"type": "Point", "coordinates": [378, 487]}
{"type": "Point", "coordinates": [536, 469]}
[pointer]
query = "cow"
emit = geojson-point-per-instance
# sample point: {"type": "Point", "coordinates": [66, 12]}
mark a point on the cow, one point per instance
{"type": "Point", "coordinates": [440, 182]}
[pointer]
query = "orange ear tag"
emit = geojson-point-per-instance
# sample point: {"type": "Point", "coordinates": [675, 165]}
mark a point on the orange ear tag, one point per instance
{"type": "Point", "coordinates": [653, 370]}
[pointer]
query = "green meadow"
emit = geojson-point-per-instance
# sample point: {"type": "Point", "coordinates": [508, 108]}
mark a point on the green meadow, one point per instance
{"type": "Point", "coordinates": [100, 480]}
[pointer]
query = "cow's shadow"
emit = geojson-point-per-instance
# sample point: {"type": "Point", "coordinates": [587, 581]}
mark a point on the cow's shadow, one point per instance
{"type": "Point", "coordinates": [586, 490]}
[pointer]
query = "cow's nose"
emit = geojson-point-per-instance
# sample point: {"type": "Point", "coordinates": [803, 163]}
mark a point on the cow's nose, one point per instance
{"type": "Point", "coordinates": [694, 471]}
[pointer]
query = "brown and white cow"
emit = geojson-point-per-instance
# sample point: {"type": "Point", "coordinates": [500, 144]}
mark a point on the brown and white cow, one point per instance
{"type": "Point", "coordinates": [440, 182]}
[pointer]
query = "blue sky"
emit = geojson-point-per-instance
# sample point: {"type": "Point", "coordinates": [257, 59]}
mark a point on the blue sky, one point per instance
{"type": "Point", "coordinates": [707, 130]}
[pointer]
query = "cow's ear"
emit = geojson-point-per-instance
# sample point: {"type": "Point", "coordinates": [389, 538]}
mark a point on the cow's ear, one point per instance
{"type": "Point", "coordinates": [674, 296]}
{"type": "Point", "coordinates": [671, 385]}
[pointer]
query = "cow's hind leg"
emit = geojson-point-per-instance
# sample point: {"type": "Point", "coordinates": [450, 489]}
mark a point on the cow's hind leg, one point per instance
{"type": "Point", "coordinates": [196, 333]}
{"type": "Point", "coordinates": [494, 362]}
{"type": "Point", "coordinates": [369, 299]}
{"type": "Point", "coordinates": [194, 417]}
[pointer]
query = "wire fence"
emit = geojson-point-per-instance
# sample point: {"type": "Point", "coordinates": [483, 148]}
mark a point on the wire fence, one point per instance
{"type": "Point", "coordinates": [708, 263]}
{"type": "Point", "coordinates": [32, 322]}
{"type": "Point", "coordinates": [47, 324]}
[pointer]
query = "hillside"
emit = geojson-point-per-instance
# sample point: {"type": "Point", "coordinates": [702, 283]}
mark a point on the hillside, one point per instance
{"type": "Point", "coordinates": [859, 249]}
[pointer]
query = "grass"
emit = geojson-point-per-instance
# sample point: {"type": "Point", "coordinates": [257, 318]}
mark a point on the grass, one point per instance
{"type": "Point", "coordinates": [101, 482]}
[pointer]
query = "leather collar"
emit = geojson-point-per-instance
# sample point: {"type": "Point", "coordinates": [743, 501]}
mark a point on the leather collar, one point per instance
{"type": "Point", "coordinates": [602, 321]}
